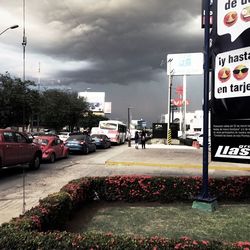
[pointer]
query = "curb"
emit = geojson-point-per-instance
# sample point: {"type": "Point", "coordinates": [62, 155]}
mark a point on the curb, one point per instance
{"type": "Point", "coordinates": [164, 165]}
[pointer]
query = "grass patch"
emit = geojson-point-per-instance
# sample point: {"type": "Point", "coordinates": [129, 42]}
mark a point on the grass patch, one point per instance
{"type": "Point", "coordinates": [229, 223]}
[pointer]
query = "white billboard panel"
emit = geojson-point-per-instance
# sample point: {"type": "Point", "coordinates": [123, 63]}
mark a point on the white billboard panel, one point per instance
{"type": "Point", "coordinates": [107, 107]}
{"type": "Point", "coordinates": [185, 64]}
{"type": "Point", "coordinates": [96, 100]}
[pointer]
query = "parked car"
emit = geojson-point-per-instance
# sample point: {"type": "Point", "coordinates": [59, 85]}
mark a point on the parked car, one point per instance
{"type": "Point", "coordinates": [16, 148]}
{"type": "Point", "coordinates": [52, 148]}
{"type": "Point", "coordinates": [193, 136]}
{"type": "Point", "coordinates": [64, 135]}
{"type": "Point", "coordinates": [200, 140]}
{"type": "Point", "coordinates": [80, 143]}
{"type": "Point", "coordinates": [101, 141]}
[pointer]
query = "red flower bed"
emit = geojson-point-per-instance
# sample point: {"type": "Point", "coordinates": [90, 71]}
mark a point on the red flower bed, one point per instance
{"type": "Point", "coordinates": [30, 231]}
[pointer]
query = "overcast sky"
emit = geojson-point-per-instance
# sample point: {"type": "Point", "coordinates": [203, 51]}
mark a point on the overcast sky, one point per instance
{"type": "Point", "coordinates": [115, 46]}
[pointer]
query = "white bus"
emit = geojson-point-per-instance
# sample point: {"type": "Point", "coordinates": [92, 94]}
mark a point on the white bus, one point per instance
{"type": "Point", "coordinates": [115, 130]}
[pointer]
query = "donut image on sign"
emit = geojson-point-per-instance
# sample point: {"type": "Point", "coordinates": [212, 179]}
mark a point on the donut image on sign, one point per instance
{"type": "Point", "coordinates": [224, 74]}
{"type": "Point", "coordinates": [240, 72]}
{"type": "Point", "coordinates": [230, 18]}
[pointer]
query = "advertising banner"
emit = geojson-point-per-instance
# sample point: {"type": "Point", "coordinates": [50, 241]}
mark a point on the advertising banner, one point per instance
{"type": "Point", "coordinates": [107, 107]}
{"type": "Point", "coordinates": [185, 64]}
{"type": "Point", "coordinates": [230, 99]}
{"type": "Point", "coordinates": [96, 100]}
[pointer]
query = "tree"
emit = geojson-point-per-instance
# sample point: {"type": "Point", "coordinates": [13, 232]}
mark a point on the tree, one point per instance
{"type": "Point", "coordinates": [15, 101]}
{"type": "Point", "coordinates": [61, 109]}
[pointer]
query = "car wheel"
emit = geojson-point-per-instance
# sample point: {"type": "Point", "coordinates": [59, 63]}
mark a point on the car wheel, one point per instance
{"type": "Point", "coordinates": [52, 158]}
{"type": "Point", "coordinates": [35, 163]}
{"type": "Point", "coordinates": [87, 150]}
{"type": "Point", "coordinates": [66, 154]}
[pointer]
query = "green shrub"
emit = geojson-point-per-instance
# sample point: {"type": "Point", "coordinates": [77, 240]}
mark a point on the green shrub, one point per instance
{"type": "Point", "coordinates": [30, 231]}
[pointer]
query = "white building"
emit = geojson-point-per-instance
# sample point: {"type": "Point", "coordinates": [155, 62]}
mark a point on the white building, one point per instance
{"type": "Point", "coordinates": [194, 120]}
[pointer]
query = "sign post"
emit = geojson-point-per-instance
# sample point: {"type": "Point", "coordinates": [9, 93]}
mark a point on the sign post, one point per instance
{"type": "Point", "coordinates": [204, 201]}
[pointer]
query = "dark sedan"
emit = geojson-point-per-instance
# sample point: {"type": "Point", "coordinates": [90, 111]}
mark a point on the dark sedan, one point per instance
{"type": "Point", "coordinates": [101, 141]}
{"type": "Point", "coordinates": [80, 143]}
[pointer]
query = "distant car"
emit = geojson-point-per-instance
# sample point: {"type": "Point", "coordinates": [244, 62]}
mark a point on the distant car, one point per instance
{"type": "Point", "coordinates": [200, 140]}
{"type": "Point", "coordinates": [80, 143]}
{"type": "Point", "coordinates": [52, 148]}
{"type": "Point", "coordinates": [17, 149]}
{"type": "Point", "coordinates": [101, 141]}
{"type": "Point", "coordinates": [64, 135]}
{"type": "Point", "coordinates": [193, 136]}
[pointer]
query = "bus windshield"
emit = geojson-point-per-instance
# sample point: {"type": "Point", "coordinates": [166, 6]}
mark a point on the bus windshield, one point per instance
{"type": "Point", "coordinates": [110, 126]}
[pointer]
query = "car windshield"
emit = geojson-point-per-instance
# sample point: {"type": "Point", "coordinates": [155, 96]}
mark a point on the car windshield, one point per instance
{"type": "Point", "coordinates": [76, 137]}
{"type": "Point", "coordinates": [64, 133]}
{"type": "Point", "coordinates": [41, 141]}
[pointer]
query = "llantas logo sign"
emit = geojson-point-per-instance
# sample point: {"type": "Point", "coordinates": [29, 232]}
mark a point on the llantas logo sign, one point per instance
{"type": "Point", "coordinates": [240, 152]}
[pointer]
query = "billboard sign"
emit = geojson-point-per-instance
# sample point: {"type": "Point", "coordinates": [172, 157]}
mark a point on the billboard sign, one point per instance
{"type": "Point", "coordinates": [107, 107]}
{"type": "Point", "coordinates": [233, 17]}
{"type": "Point", "coordinates": [230, 92]}
{"type": "Point", "coordinates": [96, 100]}
{"type": "Point", "coordinates": [185, 64]}
{"type": "Point", "coordinates": [232, 78]}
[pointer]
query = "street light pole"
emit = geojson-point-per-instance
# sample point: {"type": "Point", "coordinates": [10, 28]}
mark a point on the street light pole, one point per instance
{"type": "Point", "coordinates": [11, 27]}
{"type": "Point", "coordinates": [24, 45]}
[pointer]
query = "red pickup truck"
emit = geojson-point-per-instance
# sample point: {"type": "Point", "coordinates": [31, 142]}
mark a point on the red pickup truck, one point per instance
{"type": "Point", "coordinates": [17, 149]}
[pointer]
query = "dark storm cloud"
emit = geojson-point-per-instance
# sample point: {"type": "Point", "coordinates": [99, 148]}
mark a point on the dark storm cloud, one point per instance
{"type": "Point", "coordinates": [125, 40]}
{"type": "Point", "coordinates": [115, 46]}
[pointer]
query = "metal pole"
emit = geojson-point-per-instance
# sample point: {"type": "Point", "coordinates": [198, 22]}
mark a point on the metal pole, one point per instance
{"type": "Point", "coordinates": [24, 203]}
{"type": "Point", "coordinates": [206, 97]}
{"type": "Point", "coordinates": [24, 44]}
{"type": "Point", "coordinates": [39, 92]}
{"type": "Point", "coordinates": [184, 106]}
{"type": "Point", "coordinates": [129, 135]}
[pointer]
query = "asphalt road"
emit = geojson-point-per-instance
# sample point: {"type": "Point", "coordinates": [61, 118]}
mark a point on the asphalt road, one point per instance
{"type": "Point", "coordinates": [21, 189]}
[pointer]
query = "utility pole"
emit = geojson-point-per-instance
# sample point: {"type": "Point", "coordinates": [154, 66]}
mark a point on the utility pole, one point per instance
{"type": "Point", "coordinates": [24, 45]}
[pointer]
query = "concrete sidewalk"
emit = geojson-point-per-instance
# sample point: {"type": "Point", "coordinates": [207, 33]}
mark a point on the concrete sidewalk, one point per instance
{"type": "Point", "coordinates": [175, 157]}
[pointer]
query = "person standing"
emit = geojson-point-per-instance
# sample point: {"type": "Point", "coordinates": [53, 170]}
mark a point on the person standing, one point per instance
{"type": "Point", "coordinates": [143, 139]}
{"type": "Point", "coordinates": [136, 139]}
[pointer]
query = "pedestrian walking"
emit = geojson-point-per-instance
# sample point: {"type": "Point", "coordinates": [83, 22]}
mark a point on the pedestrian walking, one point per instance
{"type": "Point", "coordinates": [136, 139]}
{"type": "Point", "coordinates": [143, 139]}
